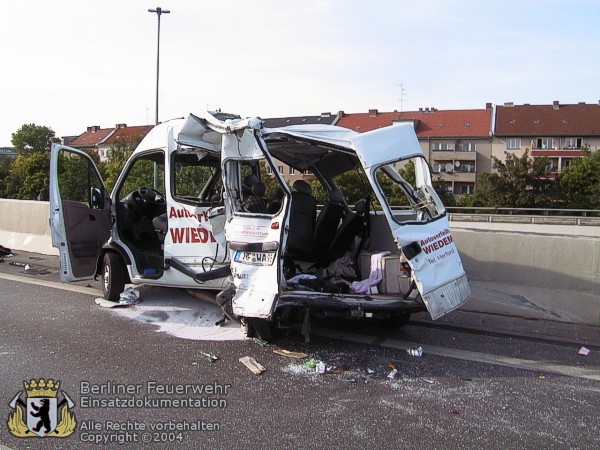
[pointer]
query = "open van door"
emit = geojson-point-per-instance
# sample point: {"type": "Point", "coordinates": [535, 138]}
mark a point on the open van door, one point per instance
{"type": "Point", "coordinates": [80, 212]}
{"type": "Point", "coordinates": [253, 234]}
{"type": "Point", "coordinates": [421, 229]}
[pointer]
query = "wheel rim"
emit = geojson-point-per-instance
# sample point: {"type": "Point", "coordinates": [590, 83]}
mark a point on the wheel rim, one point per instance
{"type": "Point", "coordinates": [106, 277]}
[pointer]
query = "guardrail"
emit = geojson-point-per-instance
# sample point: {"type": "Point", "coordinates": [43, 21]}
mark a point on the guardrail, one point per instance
{"type": "Point", "coordinates": [578, 217]}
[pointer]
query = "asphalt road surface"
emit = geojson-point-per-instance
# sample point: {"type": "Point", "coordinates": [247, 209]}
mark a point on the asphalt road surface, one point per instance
{"type": "Point", "coordinates": [139, 378]}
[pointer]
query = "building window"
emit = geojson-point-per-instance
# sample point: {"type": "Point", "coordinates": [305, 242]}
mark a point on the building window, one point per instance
{"type": "Point", "coordinates": [442, 166]}
{"type": "Point", "coordinates": [565, 162]}
{"type": "Point", "coordinates": [442, 146]}
{"type": "Point", "coordinates": [545, 143]}
{"type": "Point", "coordinates": [466, 189]}
{"type": "Point", "coordinates": [464, 167]}
{"type": "Point", "coordinates": [466, 147]}
{"type": "Point", "coordinates": [269, 170]}
{"type": "Point", "coordinates": [513, 143]}
{"type": "Point", "coordinates": [306, 172]}
{"type": "Point", "coordinates": [572, 143]}
{"type": "Point", "coordinates": [292, 171]}
{"type": "Point", "coordinates": [280, 169]}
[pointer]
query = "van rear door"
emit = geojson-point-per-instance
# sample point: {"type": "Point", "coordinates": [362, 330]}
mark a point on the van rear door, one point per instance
{"type": "Point", "coordinates": [420, 228]}
{"type": "Point", "coordinates": [254, 235]}
{"type": "Point", "coordinates": [80, 212]}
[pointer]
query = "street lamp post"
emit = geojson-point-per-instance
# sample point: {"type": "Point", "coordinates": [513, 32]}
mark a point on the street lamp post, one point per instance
{"type": "Point", "coordinates": [159, 11]}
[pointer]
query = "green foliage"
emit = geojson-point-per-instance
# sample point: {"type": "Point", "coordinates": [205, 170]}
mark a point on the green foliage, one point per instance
{"type": "Point", "coordinates": [269, 180]}
{"type": "Point", "coordinates": [519, 182]}
{"type": "Point", "coordinates": [28, 177]}
{"type": "Point", "coordinates": [32, 138]}
{"type": "Point", "coordinates": [119, 153]}
{"type": "Point", "coordinates": [446, 197]}
{"type": "Point", "coordinates": [5, 163]}
{"type": "Point", "coordinates": [579, 183]}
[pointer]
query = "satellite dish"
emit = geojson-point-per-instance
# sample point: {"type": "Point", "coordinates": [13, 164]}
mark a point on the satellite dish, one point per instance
{"type": "Point", "coordinates": [449, 167]}
{"type": "Point", "coordinates": [457, 164]}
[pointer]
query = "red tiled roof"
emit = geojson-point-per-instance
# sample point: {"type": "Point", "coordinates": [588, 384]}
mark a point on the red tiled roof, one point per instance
{"type": "Point", "coordinates": [548, 120]}
{"type": "Point", "coordinates": [471, 122]}
{"type": "Point", "coordinates": [128, 134]}
{"type": "Point", "coordinates": [92, 137]}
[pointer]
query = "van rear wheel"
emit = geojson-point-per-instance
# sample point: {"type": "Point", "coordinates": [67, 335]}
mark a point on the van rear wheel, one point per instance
{"type": "Point", "coordinates": [113, 276]}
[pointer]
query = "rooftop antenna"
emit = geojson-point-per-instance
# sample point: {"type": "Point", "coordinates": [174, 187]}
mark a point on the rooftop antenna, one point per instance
{"type": "Point", "coordinates": [402, 93]}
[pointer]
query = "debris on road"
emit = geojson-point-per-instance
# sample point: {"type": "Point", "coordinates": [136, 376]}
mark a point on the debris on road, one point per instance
{"type": "Point", "coordinates": [417, 351]}
{"type": "Point", "coordinates": [339, 369]}
{"type": "Point", "coordinates": [260, 342]}
{"type": "Point", "coordinates": [210, 357]}
{"type": "Point", "coordinates": [290, 354]}
{"type": "Point", "coordinates": [108, 303]}
{"type": "Point", "coordinates": [252, 365]}
{"type": "Point", "coordinates": [455, 412]}
{"type": "Point", "coordinates": [584, 351]}
{"type": "Point", "coordinates": [19, 264]}
{"type": "Point", "coordinates": [394, 373]}
{"type": "Point", "coordinates": [370, 371]}
{"type": "Point", "coordinates": [321, 368]}
{"type": "Point", "coordinates": [130, 296]}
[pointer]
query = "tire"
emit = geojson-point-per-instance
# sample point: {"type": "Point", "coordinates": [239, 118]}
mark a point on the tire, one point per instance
{"type": "Point", "coordinates": [113, 276]}
{"type": "Point", "coordinates": [398, 320]}
{"type": "Point", "coordinates": [262, 328]}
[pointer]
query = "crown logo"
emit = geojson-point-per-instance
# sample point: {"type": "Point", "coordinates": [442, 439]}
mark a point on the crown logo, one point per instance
{"type": "Point", "coordinates": [41, 388]}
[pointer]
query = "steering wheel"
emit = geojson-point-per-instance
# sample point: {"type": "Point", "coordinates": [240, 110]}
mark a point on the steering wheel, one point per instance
{"type": "Point", "coordinates": [151, 195]}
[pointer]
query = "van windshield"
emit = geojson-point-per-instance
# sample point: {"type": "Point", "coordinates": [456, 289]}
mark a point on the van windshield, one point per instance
{"type": "Point", "coordinates": [407, 189]}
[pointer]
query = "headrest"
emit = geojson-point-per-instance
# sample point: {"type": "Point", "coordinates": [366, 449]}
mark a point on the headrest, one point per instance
{"type": "Point", "coordinates": [258, 188]}
{"type": "Point", "coordinates": [250, 180]}
{"type": "Point", "coordinates": [361, 206]}
{"type": "Point", "coordinates": [336, 196]}
{"type": "Point", "coordinates": [279, 193]}
{"type": "Point", "coordinates": [302, 186]}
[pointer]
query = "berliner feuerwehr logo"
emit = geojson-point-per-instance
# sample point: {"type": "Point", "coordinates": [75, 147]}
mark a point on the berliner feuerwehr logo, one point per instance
{"type": "Point", "coordinates": [42, 410]}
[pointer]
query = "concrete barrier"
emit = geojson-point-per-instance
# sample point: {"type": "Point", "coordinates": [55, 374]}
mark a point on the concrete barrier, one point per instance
{"type": "Point", "coordinates": [537, 271]}
{"type": "Point", "coordinates": [521, 270]}
{"type": "Point", "coordinates": [24, 226]}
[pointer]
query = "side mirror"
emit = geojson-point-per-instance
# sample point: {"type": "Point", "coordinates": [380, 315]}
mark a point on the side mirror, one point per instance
{"type": "Point", "coordinates": [96, 200]}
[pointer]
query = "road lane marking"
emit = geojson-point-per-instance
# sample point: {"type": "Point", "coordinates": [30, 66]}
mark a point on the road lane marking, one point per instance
{"type": "Point", "coordinates": [52, 284]}
{"type": "Point", "coordinates": [465, 355]}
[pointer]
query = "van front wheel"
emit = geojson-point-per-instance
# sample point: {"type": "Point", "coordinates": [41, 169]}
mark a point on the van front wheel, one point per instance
{"type": "Point", "coordinates": [113, 276]}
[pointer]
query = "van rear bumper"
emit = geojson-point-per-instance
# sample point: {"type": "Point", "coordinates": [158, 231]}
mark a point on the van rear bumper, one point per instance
{"type": "Point", "coordinates": [357, 304]}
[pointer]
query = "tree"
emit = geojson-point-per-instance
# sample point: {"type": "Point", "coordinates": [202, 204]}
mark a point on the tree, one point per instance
{"type": "Point", "coordinates": [579, 183]}
{"type": "Point", "coordinates": [32, 138]}
{"type": "Point", "coordinates": [5, 163]}
{"type": "Point", "coordinates": [519, 182]}
{"type": "Point", "coordinates": [28, 177]}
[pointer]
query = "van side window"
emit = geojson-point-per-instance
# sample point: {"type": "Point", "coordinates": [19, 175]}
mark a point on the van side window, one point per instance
{"type": "Point", "coordinates": [78, 180]}
{"type": "Point", "coordinates": [406, 187]}
{"type": "Point", "coordinates": [142, 173]}
{"type": "Point", "coordinates": [196, 178]}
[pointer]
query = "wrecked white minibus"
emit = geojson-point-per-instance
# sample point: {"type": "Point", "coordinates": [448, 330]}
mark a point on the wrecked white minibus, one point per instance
{"type": "Point", "coordinates": [210, 221]}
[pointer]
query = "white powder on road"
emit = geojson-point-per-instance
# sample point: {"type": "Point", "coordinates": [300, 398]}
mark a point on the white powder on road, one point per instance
{"type": "Point", "coordinates": [177, 313]}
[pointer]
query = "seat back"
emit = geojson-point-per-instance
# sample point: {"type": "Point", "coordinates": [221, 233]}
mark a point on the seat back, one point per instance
{"type": "Point", "coordinates": [351, 227]}
{"type": "Point", "coordinates": [328, 222]}
{"type": "Point", "coordinates": [256, 203]}
{"type": "Point", "coordinates": [303, 214]}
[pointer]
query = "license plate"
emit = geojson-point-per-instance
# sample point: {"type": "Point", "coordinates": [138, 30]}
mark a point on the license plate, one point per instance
{"type": "Point", "coordinates": [255, 258]}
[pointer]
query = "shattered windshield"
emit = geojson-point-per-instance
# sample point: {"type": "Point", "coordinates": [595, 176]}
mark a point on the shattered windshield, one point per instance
{"type": "Point", "coordinates": [406, 186]}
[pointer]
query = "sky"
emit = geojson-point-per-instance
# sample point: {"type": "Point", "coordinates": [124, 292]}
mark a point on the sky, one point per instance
{"type": "Point", "coordinates": [70, 64]}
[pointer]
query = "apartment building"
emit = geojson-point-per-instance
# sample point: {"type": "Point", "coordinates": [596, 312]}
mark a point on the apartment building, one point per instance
{"type": "Point", "coordinates": [100, 140]}
{"type": "Point", "coordinates": [556, 131]}
{"type": "Point", "coordinates": [289, 173]}
{"type": "Point", "coordinates": [457, 143]}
